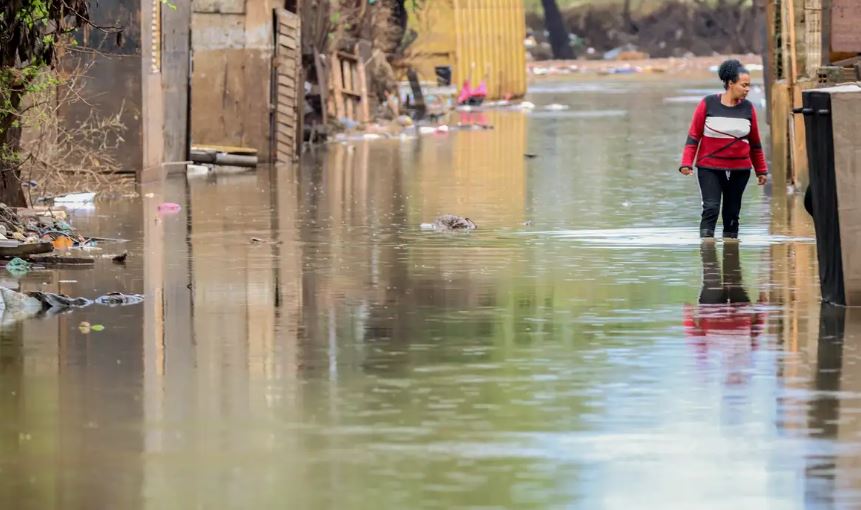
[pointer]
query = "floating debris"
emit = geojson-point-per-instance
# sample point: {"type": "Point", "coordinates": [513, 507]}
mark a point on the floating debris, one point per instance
{"type": "Point", "coordinates": [75, 199]}
{"type": "Point", "coordinates": [450, 222]}
{"type": "Point", "coordinates": [169, 208]}
{"type": "Point", "coordinates": [18, 267]}
{"type": "Point", "coordinates": [119, 299]}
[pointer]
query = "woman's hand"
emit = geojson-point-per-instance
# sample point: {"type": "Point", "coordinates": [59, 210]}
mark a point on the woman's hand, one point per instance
{"type": "Point", "coordinates": [762, 179]}
{"type": "Point", "coordinates": [686, 170]}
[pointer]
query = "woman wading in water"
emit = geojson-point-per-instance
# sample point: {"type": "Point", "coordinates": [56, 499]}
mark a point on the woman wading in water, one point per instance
{"type": "Point", "coordinates": [724, 137]}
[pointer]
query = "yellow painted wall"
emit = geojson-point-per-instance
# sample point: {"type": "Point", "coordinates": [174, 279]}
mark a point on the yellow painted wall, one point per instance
{"type": "Point", "coordinates": [479, 39]}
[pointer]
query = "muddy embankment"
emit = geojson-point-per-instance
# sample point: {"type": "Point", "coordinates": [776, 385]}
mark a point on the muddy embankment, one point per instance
{"type": "Point", "coordinates": [671, 29]}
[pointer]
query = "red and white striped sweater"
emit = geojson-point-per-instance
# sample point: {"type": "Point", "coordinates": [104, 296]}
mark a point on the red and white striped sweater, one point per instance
{"type": "Point", "coordinates": [727, 137]}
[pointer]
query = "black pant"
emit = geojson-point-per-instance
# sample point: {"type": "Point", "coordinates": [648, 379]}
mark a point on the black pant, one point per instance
{"type": "Point", "coordinates": [721, 287]}
{"type": "Point", "coordinates": [717, 184]}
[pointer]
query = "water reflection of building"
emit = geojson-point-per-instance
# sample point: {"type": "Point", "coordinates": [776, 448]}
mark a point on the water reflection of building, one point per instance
{"type": "Point", "coordinates": [833, 470]}
{"type": "Point", "coordinates": [462, 176]}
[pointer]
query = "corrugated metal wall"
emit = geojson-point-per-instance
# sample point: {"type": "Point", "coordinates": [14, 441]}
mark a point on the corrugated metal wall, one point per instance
{"type": "Point", "coordinates": [480, 39]}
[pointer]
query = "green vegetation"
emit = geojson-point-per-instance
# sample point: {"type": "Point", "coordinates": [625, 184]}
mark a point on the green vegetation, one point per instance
{"type": "Point", "coordinates": [30, 32]}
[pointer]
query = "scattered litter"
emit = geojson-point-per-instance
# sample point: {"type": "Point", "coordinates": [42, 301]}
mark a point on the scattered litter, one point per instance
{"type": "Point", "coordinates": [16, 306]}
{"type": "Point", "coordinates": [84, 327]}
{"type": "Point", "coordinates": [555, 107]}
{"type": "Point", "coordinates": [62, 261]}
{"type": "Point", "coordinates": [75, 198]}
{"type": "Point", "coordinates": [194, 170]}
{"type": "Point", "coordinates": [257, 240]}
{"type": "Point", "coordinates": [525, 105]}
{"type": "Point", "coordinates": [18, 267]}
{"type": "Point", "coordinates": [119, 299]}
{"type": "Point", "coordinates": [149, 195]}
{"type": "Point", "coordinates": [50, 300]}
{"type": "Point", "coordinates": [169, 208]}
{"type": "Point", "coordinates": [63, 243]}
{"type": "Point", "coordinates": [120, 259]}
{"type": "Point", "coordinates": [97, 328]}
{"type": "Point", "coordinates": [450, 222]}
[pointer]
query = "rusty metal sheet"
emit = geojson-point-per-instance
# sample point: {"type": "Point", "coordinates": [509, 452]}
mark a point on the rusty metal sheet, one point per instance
{"type": "Point", "coordinates": [845, 20]}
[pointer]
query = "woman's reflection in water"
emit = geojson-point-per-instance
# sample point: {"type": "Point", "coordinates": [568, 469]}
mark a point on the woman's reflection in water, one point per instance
{"type": "Point", "coordinates": [724, 321]}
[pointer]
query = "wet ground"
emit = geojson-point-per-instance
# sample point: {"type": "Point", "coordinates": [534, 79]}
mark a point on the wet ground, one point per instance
{"type": "Point", "coordinates": [595, 357]}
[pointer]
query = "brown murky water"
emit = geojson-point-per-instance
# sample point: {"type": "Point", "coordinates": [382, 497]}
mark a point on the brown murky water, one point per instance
{"type": "Point", "coordinates": [588, 360]}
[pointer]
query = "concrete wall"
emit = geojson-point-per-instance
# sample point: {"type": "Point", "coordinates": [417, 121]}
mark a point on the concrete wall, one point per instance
{"type": "Point", "coordinates": [232, 45]}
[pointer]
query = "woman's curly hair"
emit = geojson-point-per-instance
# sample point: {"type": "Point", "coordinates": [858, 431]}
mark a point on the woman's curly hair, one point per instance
{"type": "Point", "coordinates": [730, 70]}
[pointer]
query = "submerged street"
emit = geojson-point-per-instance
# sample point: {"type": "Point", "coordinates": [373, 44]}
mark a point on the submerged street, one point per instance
{"type": "Point", "coordinates": [559, 356]}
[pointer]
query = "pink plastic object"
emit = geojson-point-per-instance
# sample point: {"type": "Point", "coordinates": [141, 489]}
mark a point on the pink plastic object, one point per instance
{"type": "Point", "coordinates": [169, 208]}
{"type": "Point", "coordinates": [480, 91]}
{"type": "Point", "coordinates": [465, 93]}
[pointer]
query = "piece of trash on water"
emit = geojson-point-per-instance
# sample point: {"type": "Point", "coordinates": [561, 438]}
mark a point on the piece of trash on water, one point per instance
{"type": "Point", "coordinates": [448, 222]}
{"type": "Point", "coordinates": [555, 107]}
{"type": "Point", "coordinates": [97, 328]}
{"type": "Point", "coordinates": [119, 299]}
{"type": "Point", "coordinates": [169, 208]}
{"type": "Point", "coordinates": [149, 195]}
{"type": "Point", "coordinates": [68, 281]}
{"type": "Point", "coordinates": [54, 301]}
{"type": "Point", "coordinates": [193, 170]}
{"type": "Point", "coordinates": [530, 155]}
{"type": "Point", "coordinates": [18, 266]}
{"type": "Point", "coordinates": [84, 327]}
{"type": "Point", "coordinates": [258, 240]}
{"type": "Point", "coordinates": [120, 259]}
{"type": "Point", "coordinates": [16, 305]}
{"type": "Point", "coordinates": [75, 198]}
{"type": "Point", "coordinates": [63, 243]}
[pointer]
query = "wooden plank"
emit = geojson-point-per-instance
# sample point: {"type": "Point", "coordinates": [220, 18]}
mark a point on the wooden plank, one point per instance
{"type": "Point", "coordinates": [337, 85]}
{"type": "Point", "coordinates": [350, 57]}
{"type": "Point", "coordinates": [799, 146]}
{"type": "Point", "coordinates": [362, 79]}
{"type": "Point", "coordinates": [286, 67]}
{"type": "Point", "coordinates": [287, 82]}
{"type": "Point", "coordinates": [779, 112]}
{"type": "Point", "coordinates": [287, 101]}
{"type": "Point", "coordinates": [287, 42]}
{"type": "Point", "coordinates": [286, 122]}
{"type": "Point", "coordinates": [323, 83]}
{"type": "Point", "coordinates": [290, 22]}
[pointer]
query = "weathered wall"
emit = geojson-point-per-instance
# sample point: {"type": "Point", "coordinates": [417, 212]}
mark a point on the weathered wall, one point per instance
{"type": "Point", "coordinates": [112, 79]}
{"type": "Point", "coordinates": [176, 70]}
{"type": "Point", "coordinates": [232, 44]}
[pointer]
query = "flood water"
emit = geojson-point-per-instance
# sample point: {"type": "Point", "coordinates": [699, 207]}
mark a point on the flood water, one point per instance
{"type": "Point", "coordinates": [581, 349]}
